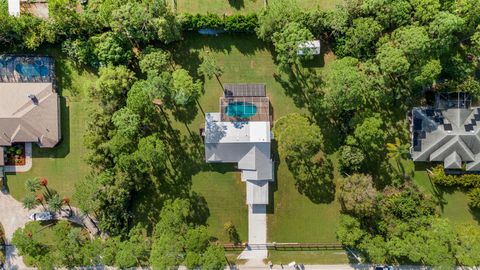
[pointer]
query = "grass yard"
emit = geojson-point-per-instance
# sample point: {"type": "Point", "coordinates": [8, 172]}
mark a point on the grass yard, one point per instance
{"type": "Point", "coordinates": [308, 257]}
{"type": "Point", "coordinates": [452, 203]}
{"type": "Point", "coordinates": [242, 6]}
{"type": "Point", "coordinates": [63, 165]}
{"type": "Point", "coordinates": [225, 195]}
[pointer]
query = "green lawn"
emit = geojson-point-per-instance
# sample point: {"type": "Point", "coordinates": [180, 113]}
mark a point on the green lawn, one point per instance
{"type": "Point", "coordinates": [64, 164]}
{"type": "Point", "coordinates": [308, 257]}
{"type": "Point", "coordinates": [242, 6]}
{"type": "Point", "coordinates": [225, 194]}
{"type": "Point", "coordinates": [452, 203]}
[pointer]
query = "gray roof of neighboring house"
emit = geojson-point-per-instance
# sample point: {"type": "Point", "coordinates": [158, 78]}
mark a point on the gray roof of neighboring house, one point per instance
{"type": "Point", "coordinates": [29, 112]}
{"type": "Point", "coordinates": [449, 135]}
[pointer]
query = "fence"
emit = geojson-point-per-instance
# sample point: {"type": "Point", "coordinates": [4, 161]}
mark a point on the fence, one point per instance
{"type": "Point", "coordinates": [284, 246]}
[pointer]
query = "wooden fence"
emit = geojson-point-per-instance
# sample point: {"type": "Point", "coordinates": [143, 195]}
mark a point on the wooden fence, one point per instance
{"type": "Point", "coordinates": [283, 246]}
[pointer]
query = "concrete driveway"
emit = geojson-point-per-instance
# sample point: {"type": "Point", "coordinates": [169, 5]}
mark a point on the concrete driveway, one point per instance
{"type": "Point", "coordinates": [12, 217]}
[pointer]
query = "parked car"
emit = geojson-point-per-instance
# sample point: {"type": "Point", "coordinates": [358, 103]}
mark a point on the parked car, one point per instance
{"type": "Point", "coordinates": [383, 267]}
{"type": "Point", "coordinates": [42, 216]}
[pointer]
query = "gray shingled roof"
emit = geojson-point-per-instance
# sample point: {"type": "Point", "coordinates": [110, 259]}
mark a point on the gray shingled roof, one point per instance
{"type": "Point", "coordinates": [29, 112]}
{"type": "Point", "coordinates": [451, 136]}
{"type": "Point", "coordinates": [2, 159]}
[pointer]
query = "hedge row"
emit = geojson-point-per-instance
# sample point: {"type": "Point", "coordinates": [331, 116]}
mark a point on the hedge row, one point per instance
{"type": "Point", "coordinates": [234, 23]}
{"type": "Point", "coordinates": [463, 180]}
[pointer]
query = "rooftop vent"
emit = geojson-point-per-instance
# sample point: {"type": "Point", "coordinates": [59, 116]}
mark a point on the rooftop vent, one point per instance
{"type": "Point", "coordinates": [33, 98]}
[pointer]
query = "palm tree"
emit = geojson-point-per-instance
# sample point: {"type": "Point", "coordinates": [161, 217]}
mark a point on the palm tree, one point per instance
{"type": "Point", "coordinates": [40, 198]}
{"type": "Point", "coordinates": [32, 185]}
{"type": "Point", "coordinates": [54, 203]}
{"type": "Point", "coordinates": [398, 151]}
{"type": "Point", "coordinates": [30, 201]}
{"type": "Point", "coordinates": [44, 183]}
{"type": "Point", "coordinates": [209, 68]}
{"type": "Point", "coordinates": [66, 200]}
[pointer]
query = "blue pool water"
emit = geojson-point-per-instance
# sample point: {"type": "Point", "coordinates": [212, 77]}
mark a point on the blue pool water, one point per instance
{"type": "Point", "coordinates": [36, 69]}
{"type": "Point", "coordinates": [241, 109]}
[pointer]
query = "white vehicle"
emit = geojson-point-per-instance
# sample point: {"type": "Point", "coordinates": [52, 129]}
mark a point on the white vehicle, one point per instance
{"type": "Point", "coordinates": [42, 216]}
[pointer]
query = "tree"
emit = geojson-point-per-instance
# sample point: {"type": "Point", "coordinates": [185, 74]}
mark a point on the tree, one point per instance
{"type": "Point", "coordinates": [369, 136]}
{"type": "Point", "coordinates": [168, 236]}
{"type": "Point", "coordinates": [443, 30]}
{"type": "Point", "coordinates": [398, 151]}
{"type": "Point", "coordinates": [413, 41]}
{"type": "Point", "coordinates": [27, 245]}
{"type": "Point", "coordinates": [274, 18]}
{"type": "Point", "coordinates": [298, 137]}
{"type": "Point", "coordinates": [392, 61]}
{"type": "Point", "coordinates": [361, 37]}
{"type": "Point", "coordinates": [110, 48]}
{"type": "Point", "coordinates": [214, 258]}
{"type": "Point", "coordinates": [429, 73]}
{"type": "Point", "coordinates": [287, 43]}
{"type": "Point", "coordinates": [184, 89]}
{"type": "Point", "coordinates": [209, 68]}
{"type": "Point", "coordinates": [32, 185]}
{"type": "Point", "coordinates": [425, 10]}
{"type": "Point", "coordinates": [231, 230]}
{"type": "Point", "coordinates": [357, 195]}
{"type": "Point", "coordinates": [54, 202]}
{"type": "Point", "coordinates": [143, 22]}
{"type": "Point", "coordinates": [390, 13]}
{"type": "Point", "coordinates": [44, 183]}
{"type": "Point", "coordinates": [467, 249]}
{"type": "Point", "coordinates": [66, 201]}
{"type": "Point", "coordinates": [348, 89]}
{"type": "Point", "coordinates": [112, 87]}
{"type": "Point", "coordinates": [134, 251]}
{"type": "Point", "coordinates": [349, 231]}
{"type": "Point", "coordinates": [427, 240]}
{"type": "Point", "coordinates": [30, 201]}
{"type": "Point", "coordinates": [301, 143]}
{"type": "Point", "coordinates": [351, 158]}
{"type": "Point", "coordinates": [154, 61]}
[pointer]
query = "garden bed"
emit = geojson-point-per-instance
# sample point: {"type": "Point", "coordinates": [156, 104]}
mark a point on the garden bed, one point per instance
{"type": "Point", "coordinates": [2, 246]}
{"type": "Point", "coordinates": [15, 155]}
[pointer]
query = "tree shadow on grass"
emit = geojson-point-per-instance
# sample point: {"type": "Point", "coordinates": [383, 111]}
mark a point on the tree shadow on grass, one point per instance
{"type": "Point", "coordinates": [237, 4]}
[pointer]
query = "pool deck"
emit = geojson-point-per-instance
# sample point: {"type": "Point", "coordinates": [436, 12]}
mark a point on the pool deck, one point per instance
{"type": "Point", "coordinates": [262, 105]}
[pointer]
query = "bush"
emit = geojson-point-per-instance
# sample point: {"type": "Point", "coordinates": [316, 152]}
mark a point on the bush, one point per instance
{"type": "Point", "coordinates": [474, 198]}
{"type": "Point", "coordinates": [463, 180]}
{"type": "Point", "coordinates": [234, 23]}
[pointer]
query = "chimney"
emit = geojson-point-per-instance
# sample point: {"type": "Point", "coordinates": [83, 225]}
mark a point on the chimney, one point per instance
{"type": "Point", "coordinates": [33, 98]}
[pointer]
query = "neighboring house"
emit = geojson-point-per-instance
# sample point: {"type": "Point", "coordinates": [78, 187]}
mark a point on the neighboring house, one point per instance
{"type": "Point", "coordinates": [449, 132]}
{"type": "Point", "coordinates": [14, 7]}
{"type": "Point", "coordinates": [311, 47]}
{"type": "Point", "coordinates": [29, 105]}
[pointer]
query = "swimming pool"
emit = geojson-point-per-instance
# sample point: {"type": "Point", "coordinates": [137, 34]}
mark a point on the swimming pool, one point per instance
{"type": "Point", "coordinates": [30, 70]}
{"type": "Point", "coordinates": [241, 109]}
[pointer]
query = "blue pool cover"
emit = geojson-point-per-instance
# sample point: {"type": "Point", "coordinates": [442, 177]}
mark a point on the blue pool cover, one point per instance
{"type": "Point", "coordinates": [14, 68]}
{"type": "Point", "coordinates": [210, 31]}
{"type": "Point", "coordinates": [241, 110]}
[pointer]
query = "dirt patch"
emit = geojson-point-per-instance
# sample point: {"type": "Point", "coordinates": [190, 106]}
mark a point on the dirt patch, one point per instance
{"type": "Point", "coordinates": [39, 10]}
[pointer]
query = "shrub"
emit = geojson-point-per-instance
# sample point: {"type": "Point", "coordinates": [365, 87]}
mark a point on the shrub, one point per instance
{"type": "Point", "coordinates": [234, 23]}
{"type": "Point", "coordinates": [474, 198]}
{"type": "Point", "coordinates": [463, 180]}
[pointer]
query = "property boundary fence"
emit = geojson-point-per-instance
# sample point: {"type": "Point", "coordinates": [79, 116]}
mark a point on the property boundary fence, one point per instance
{"type": "Point", "coordinates": [283, 246]}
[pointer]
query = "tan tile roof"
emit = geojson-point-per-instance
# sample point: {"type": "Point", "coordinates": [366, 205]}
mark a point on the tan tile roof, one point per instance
{"type": "Point", "coordinates": [23, 119]}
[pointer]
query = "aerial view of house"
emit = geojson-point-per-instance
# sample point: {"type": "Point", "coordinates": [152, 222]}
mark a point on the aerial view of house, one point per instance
{"type": "Point", "coordinates": [240, 134]}
{"type": "Point", "coordinates": [29, 105]}
{"type": "Point", "coordinates": [447, 132]}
